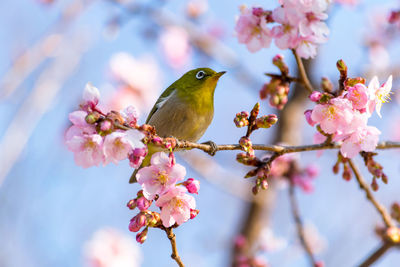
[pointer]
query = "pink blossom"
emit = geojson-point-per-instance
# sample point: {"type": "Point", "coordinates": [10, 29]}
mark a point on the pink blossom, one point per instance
{"type": "Point", "coordinates": [91, 96]}
{"type": "Point", "coordinates": [334, 116]}
{"type": "Point", "coordinates": [118, 145]}
{"type": "Point", "coordinates": [301, 26]}
{"type": "Point", "coordinates": [175, 206]}
{"type": "Point", "coordinates": [87, 148]}
{"type": "Point", "coordinates": [364, 139]}
{"type": "Point", "coordinates": [130, 115]}
{"type": "Point", "coordinates": [307, 114]}
{"type": "Point", "coordinates": [378, 94]}
{"type": "Point", "coordinates": [192, 185]}
{"type": "Point", "coordinates": [304, 182]}
{"type": "Point", "coordinates": [139, 80]}
{"type": "Point", "coordinates": [358, 96]}
{"type": "Point", "coordinates": [136, 157]}
{"type": "Point", "coordinates": [111, 248]}
{"type": "Point", "coordinates": [252, 30]}
{"type": "Point", "coordinates": [160, 175]}
{"type": "Point", "coordinates": [175, 46]}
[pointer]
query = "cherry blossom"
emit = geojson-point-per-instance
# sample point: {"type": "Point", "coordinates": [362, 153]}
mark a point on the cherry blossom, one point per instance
{"type": "Point", "coordinates": [334, 116]}
{"type": "Point", "coordinates": [162, 174]}
{"type": "Point", "coordinates": [192, 185]}
{"type": "Point", "coordinates": [91, 96]}
{"type": "Point", "coordinates": [358, 96]}
{"type": "Point", "coordinates": [379, 94]}
{"type": "Point", "coordinates": [175, 206]}
{"type": "Point", "coordinates": [364, 139]}
{"type": "Point", "coordinates": [118, 145]}
{"type": "Point", "coordinates": [252, 30]}
{"type": "Point", "coordinates": [87, 148]}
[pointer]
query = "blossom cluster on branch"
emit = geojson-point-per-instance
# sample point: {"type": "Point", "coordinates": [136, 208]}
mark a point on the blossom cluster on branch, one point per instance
{"type": "Point", "coordinates": [299, 25]}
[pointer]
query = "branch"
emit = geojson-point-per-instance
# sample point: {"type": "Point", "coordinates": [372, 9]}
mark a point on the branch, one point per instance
{"type": "Point", "coordinates": [364, 186]}
{"type": "Point", "coordinates": [275, 148]}
{"type": "Point", "coordinates": [376, 255]}
{"type": "Point", "coordinates": [305, 81]}
{"type": "Point", "coordinates": [172, 239]}
{"type": "Point", "coordinates": [299, 224]}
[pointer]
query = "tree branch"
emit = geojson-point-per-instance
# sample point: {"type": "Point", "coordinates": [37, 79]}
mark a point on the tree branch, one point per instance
{"type": "Point", "coordinates": [299, 224]}
{"type": "Point", "coordinates": [387, 219]}
{"type": "Point", "coordinates": [376, 254]}
{"type": "Point", "coordinates": [276, 148]}
{"type": "Point", "coordinates": [303, 75]}
{"type": "Point", "coordinates": [172, 238]}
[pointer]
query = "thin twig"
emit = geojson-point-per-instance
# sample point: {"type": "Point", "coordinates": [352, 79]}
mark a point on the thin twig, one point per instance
{"type": "Point", "coordinates": [364, 186]}
{"type": "Point", "coordinates": [172, 239]}
{"type": "Point", "coordinates": [376, 254]}
{"type": "Point", "coordinates": [303, 75]}
{"type": "Point", "coordinates": [300, 225]}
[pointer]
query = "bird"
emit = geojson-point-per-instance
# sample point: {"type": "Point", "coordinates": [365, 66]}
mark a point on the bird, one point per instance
{"type": "Point", "coordinates": [184, 110]}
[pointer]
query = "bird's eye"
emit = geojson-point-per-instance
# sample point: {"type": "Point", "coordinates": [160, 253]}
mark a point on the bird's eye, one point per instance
{"type": "Point", "coordinates": [200, 75]}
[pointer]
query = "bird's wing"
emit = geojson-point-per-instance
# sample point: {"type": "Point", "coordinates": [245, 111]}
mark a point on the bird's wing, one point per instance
{"type": "Point", "coordinates": [160, 101]}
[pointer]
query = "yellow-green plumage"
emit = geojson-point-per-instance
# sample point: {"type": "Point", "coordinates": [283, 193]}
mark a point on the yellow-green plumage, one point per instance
{"type": "Point", "coordinates": [185, 109]}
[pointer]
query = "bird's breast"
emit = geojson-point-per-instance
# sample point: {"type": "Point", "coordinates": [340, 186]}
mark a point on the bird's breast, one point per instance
{"type": "Point", "coordinates": [182, 120]}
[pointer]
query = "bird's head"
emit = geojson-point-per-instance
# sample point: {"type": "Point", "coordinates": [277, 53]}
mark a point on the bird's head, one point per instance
{"type": "Point", "coordinates": [199, 80]}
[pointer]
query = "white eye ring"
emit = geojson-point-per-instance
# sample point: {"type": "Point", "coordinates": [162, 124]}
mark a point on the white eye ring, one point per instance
{"type": "Point", "coordinates": [200, 75]}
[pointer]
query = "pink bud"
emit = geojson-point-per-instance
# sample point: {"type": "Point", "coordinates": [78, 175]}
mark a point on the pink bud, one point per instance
{"type": "Point", "coordinates": [131, 204]}
{"type": "Point", "coordinates": [141, 237]}
{"type": "Point", "coordinates": [192, 185]}
{"type": "Point", "coordinates": [315, 96]}
{"type": "Point", "coordinates": [193, 213]}
{"type": "Point", "coordinates": [258, 11]}
{"type": "Point", "coordinates": [137, 222]}
{"type": "Point", "coordinates": [143, 203]}
{"type": "Point", "coordinates": [312, 170]}
{"type": "Point", "coordinates": [105, 126]}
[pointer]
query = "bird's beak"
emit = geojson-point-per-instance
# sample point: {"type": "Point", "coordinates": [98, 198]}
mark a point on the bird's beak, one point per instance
{"type": "Point", "coordinates": [219, 74]}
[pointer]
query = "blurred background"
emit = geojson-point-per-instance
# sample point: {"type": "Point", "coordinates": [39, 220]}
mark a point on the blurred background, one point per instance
{"type": "Point", "coordinates": [54, 213]}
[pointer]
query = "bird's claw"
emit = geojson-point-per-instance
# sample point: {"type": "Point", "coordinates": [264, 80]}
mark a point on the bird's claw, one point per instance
{"type": "Point", "coordinates": [214, 147]}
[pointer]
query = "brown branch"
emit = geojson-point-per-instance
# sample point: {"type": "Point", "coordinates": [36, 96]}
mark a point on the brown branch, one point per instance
{"type": "Point", "coordinates": [364, 186]}
{"type": "Point", "coordinates": [299, 224]}
{"type": "Point", "coordinates": [376, 254]}
{"type": "Point", "coordinates": [172, 239]}
{"type": "Point", "coordinates": [302, 72]}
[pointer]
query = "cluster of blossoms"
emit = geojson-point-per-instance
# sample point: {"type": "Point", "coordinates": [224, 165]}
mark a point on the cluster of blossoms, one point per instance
{"type": "Point", "coordinates": [95, 139]}
{"type": "Point", "coordinates": [159, 183]}
{"type": "Point", "coordinates": [286, 167]}
{"type": "Point", "coordinates": [98, 138]}
{"type": "Point", "coordinates": [277, 89]}
{"type": "Point", "coordinates": [243, 260]}
{"type": "Point", "coordinates": [248, 157]}
{"type": "Point", "coordinates": [299, 25]}
{"type": "Point", "coordinates": [344, 117]}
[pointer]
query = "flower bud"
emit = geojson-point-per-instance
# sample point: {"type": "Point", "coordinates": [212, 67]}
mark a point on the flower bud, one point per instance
{"type": "Point", "coordinates": [257, 11]}
{"type": "Point", "coordinates": [254, 112]}
{"type": "Point", "coordinates": [137, 222]}
{"type": "Point", "coordinates": [245, 143]}
{"type": "Point", "coordinates": [335, 168]}
{"type": "Point", "coordinates": [384, 178]}
{"type": "Point", "coordinates": [143, 203]}
{"type": "Point", "coordinates": [192, 185]}
{"type": "Point", "coordinates": [136, 157]}
{"type": "Point", "coordinates": [350, 82]}
{"type": "Point", "coordinates": [341, 66]}
{"type": "Point", "coordinates": [315, 96]}
{"type": "Point", "coordinates": [255, 190]}
{"type": "Point", "coordinates": [92, 117]}
{"type": "Point", "coordinates": [154, 219]}
{"type": "Point", "coordinates": [247, 159]}
{"type": "Point", "coordinates": [278, 61]}
{"type": "Point", "coordinates": [346, 172]}
{"type": "Point", "coordinates": [241, 119]}
{"type": "Point", "coordinates": [141, 237]}
{"type": "Point", "coordinates": [396, 211]}
{"type": "Point", "coordinates": [193, 213]}
{"type": "Point", "coordinates": [266, 121]}
{"type": "Point", "coordinates": [374, 184]}
{"type": "Point", "coordinates": [264, 184]}
{"type": "Point", "coordinates": [326, 85]}
{"type": "Point", "coordinates": [131, 204]}
{"type": "Point", "coordinates": [105, 127]}
{"type": "Point", "coordinates": [157, 140]}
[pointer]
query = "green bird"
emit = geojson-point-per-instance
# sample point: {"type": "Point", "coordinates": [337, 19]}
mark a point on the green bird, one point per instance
{"type": "Point", "coordinates": [184, 110]}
